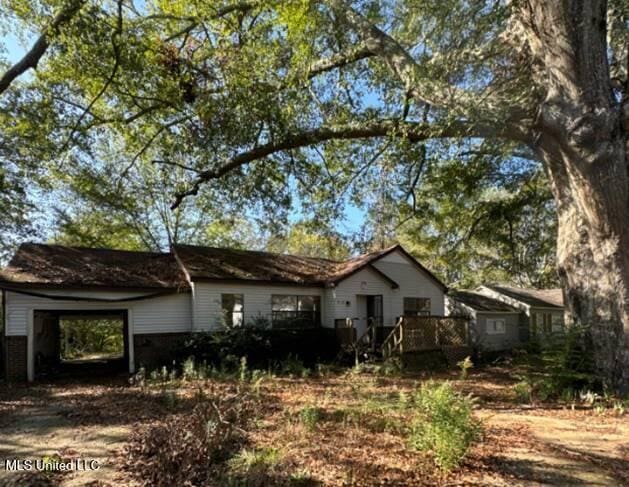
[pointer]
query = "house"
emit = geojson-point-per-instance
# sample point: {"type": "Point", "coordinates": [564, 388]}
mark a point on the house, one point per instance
{"type": "Point", "coordinates": [504, 317]}
{"type": "Point", "coordinates": [543, 308]}
{"type": "Point", "coordinates": [163, 297]}
{"type": "Point", "coordinates": [494, 325]}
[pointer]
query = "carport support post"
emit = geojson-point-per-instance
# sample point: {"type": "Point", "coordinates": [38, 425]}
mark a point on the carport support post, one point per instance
{"type": "Point", "coordinates": [130, 340]}
{"type": "Point", "coordinates": [30, 345]}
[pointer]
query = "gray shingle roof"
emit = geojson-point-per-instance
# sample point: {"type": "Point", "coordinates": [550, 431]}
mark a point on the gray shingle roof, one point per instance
{"type": "Point", "coordinates": [542, 298]}
{"type": "Point", "coordinates": [209, 263]}
{"type": "Point", "coordinates": [61, 266]}
{"type": "Point", "coordinates": [480, 302]}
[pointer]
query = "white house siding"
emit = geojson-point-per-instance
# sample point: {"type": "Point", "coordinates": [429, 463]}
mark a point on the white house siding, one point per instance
{"type": "Point", "coordinates": [162, 314]}
{"type": "Point", "coordinates": [166, 314]}
{"type": "Point", "coordinates": [345, 301]}
{"type": "Point", "coordinates": [257, 301]}
{"type": "Point", "coordinates": [414, 283]}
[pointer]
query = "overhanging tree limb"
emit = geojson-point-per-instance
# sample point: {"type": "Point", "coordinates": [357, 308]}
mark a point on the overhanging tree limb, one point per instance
{"type": "Point", "coordinates": [411, 131]}
{"type": "Point", "coordinates": [362, 51]}
{"type": "Point", "coordinates": [32, 57]}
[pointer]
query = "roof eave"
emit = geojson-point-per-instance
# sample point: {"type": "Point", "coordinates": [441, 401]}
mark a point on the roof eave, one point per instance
{"type": "Point", "coordinates": [235, 280]}
{"type": "Point", "coordinates": [9, 285]}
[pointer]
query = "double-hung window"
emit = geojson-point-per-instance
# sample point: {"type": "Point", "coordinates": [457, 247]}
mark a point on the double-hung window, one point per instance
{"type": "Point", "coordinates": [495, 327]}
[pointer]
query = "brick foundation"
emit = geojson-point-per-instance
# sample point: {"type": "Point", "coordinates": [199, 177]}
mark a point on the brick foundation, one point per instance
{"type": "Point", "coordinates": [16, 359]}
{"type": "Point", "coordinates": [156, 349]}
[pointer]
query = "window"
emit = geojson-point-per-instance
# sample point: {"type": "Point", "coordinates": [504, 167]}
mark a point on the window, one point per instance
{"type": "Point", "coordinates": [557, 323]}
{"type": "Point", "coordinates": [416, 307]}
{"type": "Point", "coordinates": [495, 327]}
{"type": "Point", "coordinates": [290, 311]}
{"type": "Point", "coordinates": [540, 323]}
{"type": "Point", "coordinates": [547, 323]}
{"type": "Point", "coordinates": [232, 306]}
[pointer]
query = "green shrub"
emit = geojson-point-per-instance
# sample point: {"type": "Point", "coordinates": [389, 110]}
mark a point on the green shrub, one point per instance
{"type": "Point", "coordinates": [559, 367]}
{"type": "Point", "coordinates": [391, 366]}
{"type": "Point", "coordinates": [310, 416]}
{"type": "Point", "coordinates": [262, 346]}
{"type": "Point", "coordinates": [302, 477]}
{"type": "Point", "coordinates": [568, 364]}
{"type": "Point", "coordinates": [169, 399]}
{"type": "Point", "coordinates": [189, 371]}
{"type": "Point", "coordinates": [465, 366]}
{"type": "Point", "coordinates": [248, 461]}
{"type": "Point", "coordinates": [445, 425]}
{"type": "Point", "coordinates": [523, 392]}
{"type": "Point", "coordinates": [292, 366]}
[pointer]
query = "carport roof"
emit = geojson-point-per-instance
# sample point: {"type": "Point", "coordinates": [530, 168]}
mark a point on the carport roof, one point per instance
{"type": "Point", "coordinates": [59, 266]}
{"type": "Point", "coordinates": [480, 302]}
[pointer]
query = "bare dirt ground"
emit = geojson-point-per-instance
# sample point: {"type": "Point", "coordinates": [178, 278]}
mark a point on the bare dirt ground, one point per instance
{"type": "Point", "coordinates": [544, 444]}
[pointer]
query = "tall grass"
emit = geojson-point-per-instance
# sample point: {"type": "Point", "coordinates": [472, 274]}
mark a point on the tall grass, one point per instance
{"type": "Point", "coordinates": [445, 426]}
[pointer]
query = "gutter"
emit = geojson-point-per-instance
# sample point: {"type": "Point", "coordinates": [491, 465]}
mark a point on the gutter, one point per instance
{"type": "Point", "coordinates": [57, 297]}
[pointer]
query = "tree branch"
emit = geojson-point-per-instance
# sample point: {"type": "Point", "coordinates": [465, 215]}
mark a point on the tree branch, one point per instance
{"type": "Point", "coordinates": [431, 91]}
{"type": "Point", "coordinates": [115, 38]}
{"type": "Point", "coordinates": [411, 131]}
{"type": "Point", "coordinates": [32, 57]}
{"type": "Point", "coordinates": [362, 51]}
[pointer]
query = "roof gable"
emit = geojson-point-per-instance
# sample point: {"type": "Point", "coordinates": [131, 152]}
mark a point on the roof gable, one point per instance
{"type": "Point", "coordinates": [373, 257]}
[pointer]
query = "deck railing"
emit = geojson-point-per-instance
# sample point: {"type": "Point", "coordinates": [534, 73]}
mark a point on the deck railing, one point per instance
{"type": "Point", "coordinates": [393, 343]}
{"type": "Point", "coordinates": [423, 333]}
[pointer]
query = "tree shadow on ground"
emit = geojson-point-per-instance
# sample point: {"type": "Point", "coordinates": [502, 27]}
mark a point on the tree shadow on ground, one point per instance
{"type": "Point", "coordinates": [536, 471]}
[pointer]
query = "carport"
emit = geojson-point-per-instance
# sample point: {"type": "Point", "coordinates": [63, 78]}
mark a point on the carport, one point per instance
{"type": "Point", "coordinates": [71, 343]}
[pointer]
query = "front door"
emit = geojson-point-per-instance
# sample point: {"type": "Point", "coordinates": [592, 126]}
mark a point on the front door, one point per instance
{"type": "Point", "coordinates": [374, 309]}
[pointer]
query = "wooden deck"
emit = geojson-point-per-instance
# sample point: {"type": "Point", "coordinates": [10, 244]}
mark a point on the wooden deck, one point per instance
{"type": "Point", "coordinates": [426, 333]}
{"type": "Point", "coordinates": [409, 335]}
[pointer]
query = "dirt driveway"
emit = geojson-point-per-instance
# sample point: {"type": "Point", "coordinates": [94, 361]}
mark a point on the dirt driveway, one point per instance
{"type": "Point", "coordinates": [74, 421]}
{"type": "Point", "coordinates": [523, 445]}
{"type": "Point", "coordinates": [575, 449]}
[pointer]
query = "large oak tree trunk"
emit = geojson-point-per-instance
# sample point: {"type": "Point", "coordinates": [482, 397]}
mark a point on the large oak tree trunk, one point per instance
{"type": "Point", "coordinates": [581, 138]}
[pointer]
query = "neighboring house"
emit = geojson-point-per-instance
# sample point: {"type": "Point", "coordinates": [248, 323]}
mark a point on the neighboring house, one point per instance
{"type": "Point", "coordinates": [543, 308]}
{"type": "Point", "coordinates": [162, 297]}
{"type": "Point", "coordinates": [504, 317]}
{"type": "Point", "coordinates": [494, 325]}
